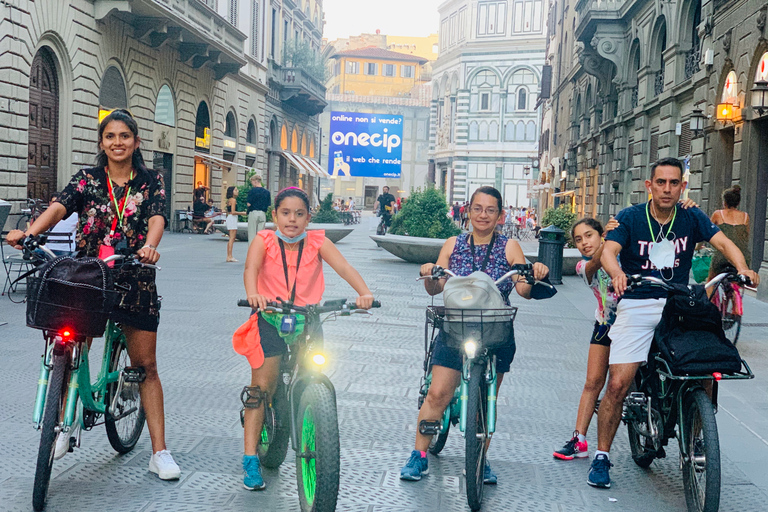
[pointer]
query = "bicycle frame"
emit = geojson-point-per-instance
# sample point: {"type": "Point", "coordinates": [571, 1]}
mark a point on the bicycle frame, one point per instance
{"type": "Point", "coordinates": [80, 387]}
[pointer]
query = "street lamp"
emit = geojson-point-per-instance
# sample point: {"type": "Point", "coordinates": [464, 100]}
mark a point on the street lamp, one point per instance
{"type": "Point", "coordinates": [697, 122]}
{"type": "Point", "coordinates": [724, 111]}
{"type": "Point", "coordinates": [760, 96]}
{"type": "Point", "coordinates": [527, 170]}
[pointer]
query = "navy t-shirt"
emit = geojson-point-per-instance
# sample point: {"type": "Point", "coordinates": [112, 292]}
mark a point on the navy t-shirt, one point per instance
{"type": "Point", "coordinates": [691, 226]}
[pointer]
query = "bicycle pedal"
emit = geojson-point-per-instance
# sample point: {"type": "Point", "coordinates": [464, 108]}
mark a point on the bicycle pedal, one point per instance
{"type": "Point", "coordinates": [430, 428]}
{"type": "Point", "coordinates": [134, 374]}
{"type": "Point", "coordinates": [636, 398]}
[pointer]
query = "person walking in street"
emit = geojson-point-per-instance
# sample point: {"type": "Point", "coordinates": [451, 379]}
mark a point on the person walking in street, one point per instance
{"type": "Point", "coordinates": [257, 205]}
{"type": "Point", "coordinates": [488, 252]}
{"type": "Point", "coordinates": [734, 224]}
{"type": "Point", "coordinates": [652, 239]}
{"type": "Point", "coordinates": [232, 214]}
{"type": "Point", "coordinates": [120, 202]}
{"type": "Point", "coordinates": [274, 260]}
{"type": "Point", "coordinates": [456, 214]}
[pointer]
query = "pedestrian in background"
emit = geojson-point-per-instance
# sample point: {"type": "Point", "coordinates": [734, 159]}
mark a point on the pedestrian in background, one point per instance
{"type": "Point", "coordinates": [734, 224]}
{"type": "Point", "coordinates": [257, 205]}
{"type": "Point", "coordinates": [232, 213]}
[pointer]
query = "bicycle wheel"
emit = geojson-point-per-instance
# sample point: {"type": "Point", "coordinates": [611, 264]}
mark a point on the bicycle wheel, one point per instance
{"type": "Point", "coordinates": [701, 470]}
{"type": "Point", "coordinates": [641, 446]}
{"type": "Point", "coordinates": [317, 462]}
{"type": "Point", "coordinates": [476, 435]}
{"type": "Point", "coordinates": [276, 432]}
{"type": "Point", "coordinates": [23, 222]}
{"type": "Point", "coordinates": [437, 443]}
{"type": "Point", "coordinates": [48, 432]}
{"type": "Point", "coordinates": [731, 320]}
{"type": "Point", "coordinates": [123, 429]}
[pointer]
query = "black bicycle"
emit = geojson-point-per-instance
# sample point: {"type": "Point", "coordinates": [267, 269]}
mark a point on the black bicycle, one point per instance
{"type": "Point", "coordinates": [663, 404]}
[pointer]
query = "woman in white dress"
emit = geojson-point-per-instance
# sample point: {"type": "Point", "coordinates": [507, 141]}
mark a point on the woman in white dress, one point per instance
{"type": "Point", "coordinates": [232, 213]}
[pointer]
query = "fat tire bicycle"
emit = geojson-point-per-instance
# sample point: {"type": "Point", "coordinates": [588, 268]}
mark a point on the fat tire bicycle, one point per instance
{"type": "Point", "coordinates": [65, 371]}
{"type": "Point", "coordinates": [475, 332]}
{"type": "Point", "coordinates": [302, 410]}
{"type": "Point", "coordinates": [662, 405]}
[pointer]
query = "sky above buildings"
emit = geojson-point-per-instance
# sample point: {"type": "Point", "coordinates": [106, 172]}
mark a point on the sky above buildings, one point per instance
{"type": "Point", "coordinates": [346, 18]}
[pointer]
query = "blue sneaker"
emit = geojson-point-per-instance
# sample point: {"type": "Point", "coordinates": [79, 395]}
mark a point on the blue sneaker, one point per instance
{"type": "Point", "coordinates": [252, 479]}
{"type": "Point", "coordinates": [415, 467]}
{"type": "Point", "coordinates": [489, 477]}
{"type": "Point", "coordinates": [598, 473]}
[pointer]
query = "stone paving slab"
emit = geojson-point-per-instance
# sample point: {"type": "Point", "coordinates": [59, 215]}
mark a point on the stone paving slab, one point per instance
{"type": "Point", "coordinates": [375, 364]}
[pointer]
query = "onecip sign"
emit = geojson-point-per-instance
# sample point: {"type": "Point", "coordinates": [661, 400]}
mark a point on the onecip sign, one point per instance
{"type": "Point", "coordinates": [369, 145]}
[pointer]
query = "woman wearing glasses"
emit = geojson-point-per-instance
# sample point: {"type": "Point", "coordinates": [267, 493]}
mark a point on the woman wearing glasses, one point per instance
{"type": "Point", "coordinates": [485, 250]}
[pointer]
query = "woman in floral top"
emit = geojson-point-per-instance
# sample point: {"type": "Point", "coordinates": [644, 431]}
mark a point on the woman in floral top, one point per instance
{"type": "Point", "coordinates": [121, 204]}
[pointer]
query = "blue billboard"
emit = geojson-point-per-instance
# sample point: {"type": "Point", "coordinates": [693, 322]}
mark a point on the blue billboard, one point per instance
{"type": "Point", "coordinates": [369, 145]}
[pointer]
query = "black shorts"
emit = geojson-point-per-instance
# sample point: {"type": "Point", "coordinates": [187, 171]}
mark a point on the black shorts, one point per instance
{"type": "Point", "coordinates": [139, 303]}
{"type": "Point", "coordinates": [600, 335]}
{"type": "Point", "coordinates": [443, 355]}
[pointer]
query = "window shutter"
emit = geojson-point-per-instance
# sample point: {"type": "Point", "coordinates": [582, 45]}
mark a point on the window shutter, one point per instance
{"type": "Point", "coordinates": [233, 12]}
{"type": "Point", "coordinates": [685, 140]}
{"type": "Point", "coordinates": [255, 28]}
{"type": "Point", "coordinates": [546, 82]}
{"type": "Point", "coordinates": [654, 152]}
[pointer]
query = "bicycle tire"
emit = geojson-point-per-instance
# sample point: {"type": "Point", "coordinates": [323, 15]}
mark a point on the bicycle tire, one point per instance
{"type": "Point", "coordinates": [48, 432]}
{"type": "Point", "coordinates": [317, 461]}
{"type": "Point", "coordinates": [731, 321]}
{"type": "Point", "coordinates": [699, 415]}
{"type": "Point", "coordinates": [476, 435]}
{"type": "Point", "coordinates": [276, 432]}
{"type": "Point", "coordinates": [641, 454]}
{"type": "Point", "coordinates": [123, 433]}
{"type": "Point", "coordinates": [22, 223]}
{"type": "Point", "coordinates": [437, 443]}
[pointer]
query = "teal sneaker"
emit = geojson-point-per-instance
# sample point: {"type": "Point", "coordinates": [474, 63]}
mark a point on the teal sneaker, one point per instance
{"type": "Point", "coordinates": [415, 467]}
{"type": "Point", "coordinates": [252, 479]}
{"type": "Point", "coordinates": [489, 477]}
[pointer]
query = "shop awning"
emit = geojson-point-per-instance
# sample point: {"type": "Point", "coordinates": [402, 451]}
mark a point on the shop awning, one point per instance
{"type": "Point", "coordinates": [220, 161]}
{"type": "Point", "coordinates": [304, 165]}
{"type": "Point", "coordinates": [566, 193]}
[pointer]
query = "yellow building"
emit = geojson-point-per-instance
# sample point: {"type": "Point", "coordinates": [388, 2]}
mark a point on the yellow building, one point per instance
{"type": "Point", "coordinates": [421, 46]}
{"type": "Point", "coordinates": [375, 72]}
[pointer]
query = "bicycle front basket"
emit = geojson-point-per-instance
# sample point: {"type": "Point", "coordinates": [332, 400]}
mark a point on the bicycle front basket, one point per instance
{"type": "Point", "coordinates": [491, 328]}
{"type": "Point", "coordinates": [71, 293]}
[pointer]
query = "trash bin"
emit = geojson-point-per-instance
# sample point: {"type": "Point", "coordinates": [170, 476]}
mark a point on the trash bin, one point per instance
{"type": "Point", "coordinates": [551, 244]}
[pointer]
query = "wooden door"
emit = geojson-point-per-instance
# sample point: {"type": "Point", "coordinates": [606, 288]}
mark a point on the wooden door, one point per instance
{"type": "Point", "coordinates": [43, 127]}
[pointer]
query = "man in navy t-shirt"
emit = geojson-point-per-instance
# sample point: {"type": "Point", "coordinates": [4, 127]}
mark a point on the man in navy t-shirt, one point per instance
{"type": "Point", "coordinates": [653, 239]}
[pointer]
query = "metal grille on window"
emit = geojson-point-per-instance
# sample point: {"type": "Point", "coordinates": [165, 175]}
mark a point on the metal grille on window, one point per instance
{"type": "Point", "coordinates": [255, 28]}
{"type": "Point", "coordinates": [685, 139]}
{"type": "Point", "coordinates": [233, 12]}
{"type": "Point", "coordinates": [631, 153]}
{"type": "Point", "coordinates": [654, 152]}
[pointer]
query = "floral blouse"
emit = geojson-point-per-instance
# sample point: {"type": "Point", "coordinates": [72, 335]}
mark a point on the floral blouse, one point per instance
{"type": "Point", "coordinates": [87, 195]}
{"type": "Point", "coordinates": [461, 262]}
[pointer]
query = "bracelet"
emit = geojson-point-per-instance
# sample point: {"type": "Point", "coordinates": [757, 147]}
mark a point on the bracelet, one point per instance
{"type": "Point", "coordinates": [150, 246]}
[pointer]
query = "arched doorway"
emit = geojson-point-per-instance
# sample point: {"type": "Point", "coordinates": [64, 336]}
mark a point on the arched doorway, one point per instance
{"type": "Point", "coordinates": [43, 126]}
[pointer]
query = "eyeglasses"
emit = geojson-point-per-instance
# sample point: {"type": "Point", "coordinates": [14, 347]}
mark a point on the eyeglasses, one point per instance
{"type": "Point", "coordinates": [490, 211]}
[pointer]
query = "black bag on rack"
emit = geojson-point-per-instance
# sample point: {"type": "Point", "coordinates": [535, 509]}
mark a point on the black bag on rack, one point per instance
{"type": "Point", "coordinates": [71, 293]}
{"type": "Point", "coordinates": [690, 335]}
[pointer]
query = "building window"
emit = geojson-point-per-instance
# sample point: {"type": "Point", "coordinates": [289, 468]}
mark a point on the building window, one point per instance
{"type": "Point", "coordinates": [527, 16]}
{"type": "Point", "coordinates": [388, 70]}
{"type": "Point", "coordinates": [371, 68]}
{"type": "Point", "coordinates": [485, 101]}
{"type": "Point", "coordinates": [165, 112]}
{"type": "Point", "coordinates": [462, 24]}
{"type": "Point", "coordinates": [407, 71]}
{"type": "Point", "coordinates": [233, 12]}
{"type": "Point", "coordinates": [522, 99]}
{"type": "Point", "coordinates": [255, 28]}
{"type": "Point", "coordinates": [353, 68]}
{"type": "Point", "coordinates": [454, 29]}
{"type": "Point", "coordinates": [491, 18]}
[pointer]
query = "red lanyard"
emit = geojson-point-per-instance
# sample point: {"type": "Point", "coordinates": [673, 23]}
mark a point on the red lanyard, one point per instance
{"type": "Point", "coordinates": [119, 208]}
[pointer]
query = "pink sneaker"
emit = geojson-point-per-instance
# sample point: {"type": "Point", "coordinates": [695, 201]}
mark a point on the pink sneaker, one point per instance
{"type": "Point", "coordinates": [573, 449]}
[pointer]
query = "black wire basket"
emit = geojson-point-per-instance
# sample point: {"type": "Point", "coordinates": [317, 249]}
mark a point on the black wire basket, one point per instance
{"type": "Point", "coordinates": [489, 328]}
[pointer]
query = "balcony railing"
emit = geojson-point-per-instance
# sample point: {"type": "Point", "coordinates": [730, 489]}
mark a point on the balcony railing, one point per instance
{"type": "Point", "coordinates": [658, 82]}
{"type": "Point", "coordinates": [298, 89]}
{"type": "Point", "coordinates": [692, 58]}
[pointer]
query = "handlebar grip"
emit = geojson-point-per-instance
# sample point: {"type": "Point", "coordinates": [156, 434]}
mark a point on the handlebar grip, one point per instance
{"type": "Point", "coordinates": [243, 303]}
{"type": "Point", "coordinates": [376, 304]}
{"type": "Point", "coordinates": [744, 280]}
{"type": "Point", "coordinates": [522, 267]}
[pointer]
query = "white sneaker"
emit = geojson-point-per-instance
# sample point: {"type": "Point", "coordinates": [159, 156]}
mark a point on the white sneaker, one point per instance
{"type": "Point", "coordinates": [164, 466]}
{"type": "Point", "coordinates": [63, 441]}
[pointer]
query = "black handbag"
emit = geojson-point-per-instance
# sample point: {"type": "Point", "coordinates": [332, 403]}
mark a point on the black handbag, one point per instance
{"type": "Point", "coordinates": [690, 335]}
{"type": "Point", "coordinates": [71, 293]}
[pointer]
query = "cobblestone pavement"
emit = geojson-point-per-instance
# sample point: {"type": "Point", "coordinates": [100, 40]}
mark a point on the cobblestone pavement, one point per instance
{"type": "Point", "coordinates": [375, 364]}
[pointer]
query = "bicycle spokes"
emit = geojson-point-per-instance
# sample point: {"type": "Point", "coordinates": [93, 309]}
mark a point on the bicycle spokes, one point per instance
{"type": "Point", "coordinates": [308, 472]}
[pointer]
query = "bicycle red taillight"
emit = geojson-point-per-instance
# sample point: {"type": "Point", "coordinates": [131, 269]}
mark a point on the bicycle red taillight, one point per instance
{"type": "Point", "coordinates": [717, 376]}
{"type": "Point", "coordinates": [67, 334]}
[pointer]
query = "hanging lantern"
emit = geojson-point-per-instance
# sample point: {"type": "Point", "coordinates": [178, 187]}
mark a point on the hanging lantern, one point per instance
{"type": "Point", "coordinates": [760, 97]}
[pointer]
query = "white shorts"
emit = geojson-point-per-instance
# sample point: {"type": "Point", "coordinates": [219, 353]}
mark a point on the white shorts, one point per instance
{"type": "Point", "coordinates": [632, 332]}
{"type": "Point", "coordinates": [231, 222]}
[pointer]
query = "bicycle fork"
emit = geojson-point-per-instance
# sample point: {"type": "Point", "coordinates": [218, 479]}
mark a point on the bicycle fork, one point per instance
{"type": "Point", "coordinates": [490, 382]}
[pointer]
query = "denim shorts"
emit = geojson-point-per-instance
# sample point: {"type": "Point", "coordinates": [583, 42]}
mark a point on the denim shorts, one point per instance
{"type": "Point", "coordinates": [443, 355]}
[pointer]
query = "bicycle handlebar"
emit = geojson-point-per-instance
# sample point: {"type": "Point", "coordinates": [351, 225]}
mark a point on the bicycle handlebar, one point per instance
{"type": "Point", "coordinates": [287, 307]}
{"type": "Point", "coordinates": [635, 281]}
{"type": "Point", "coordinates": [522, 269]}
{"type": "Point", "coordinates": [31, 243]}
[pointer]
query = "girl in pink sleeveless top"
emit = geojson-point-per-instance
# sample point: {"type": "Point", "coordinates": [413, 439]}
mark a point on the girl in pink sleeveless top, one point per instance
{"type": "Point", "coordinates": [286, 263]}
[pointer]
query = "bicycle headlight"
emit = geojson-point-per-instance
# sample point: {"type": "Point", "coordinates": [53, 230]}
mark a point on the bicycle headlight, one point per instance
{"type": "Point", "coordinates": [318, 359]}
{"type": "Point", "coordinates": [470, 348]}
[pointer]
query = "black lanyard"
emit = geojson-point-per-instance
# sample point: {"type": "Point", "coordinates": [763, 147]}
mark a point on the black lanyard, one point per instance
{"type": "Point", "coordinates": [285, 268]}
{"type": "Point", "coordinates": [487, 253]}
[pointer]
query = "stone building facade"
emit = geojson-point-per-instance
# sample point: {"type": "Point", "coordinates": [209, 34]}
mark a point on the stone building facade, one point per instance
{"type": "Point", "coordinates": [194, 73]}
{"type": "Point", "coordinates": [484, 118]}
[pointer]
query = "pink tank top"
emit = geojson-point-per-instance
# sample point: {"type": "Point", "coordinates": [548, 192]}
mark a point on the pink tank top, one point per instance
{"type": "Point", "coordinates": [311, 283]}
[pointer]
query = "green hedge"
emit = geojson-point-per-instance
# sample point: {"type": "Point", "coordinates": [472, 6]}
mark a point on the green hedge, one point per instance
{"type": "Point", "coordinates": [424, 214]}
{"type": "Point", "coordinates": [326, 214]}
{"type": "Point", "coordinates": [561, 217]}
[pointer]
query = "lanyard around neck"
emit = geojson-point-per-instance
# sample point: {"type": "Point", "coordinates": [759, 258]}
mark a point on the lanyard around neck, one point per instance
{"type": "Point", "coordinates": [285, 268]}
{"type": "Point", "coordinates": [487, 253]}
{"type": "Point", "coordinates": [661, 227]}
{"type": "Point", "coordinates": [119, 208]}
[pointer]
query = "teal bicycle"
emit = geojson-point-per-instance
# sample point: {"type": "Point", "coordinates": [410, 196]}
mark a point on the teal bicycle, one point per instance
{"type": "Point", "coordinates": [475, 333]}
{"type": "Point", "coordinates": [66, 396]}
